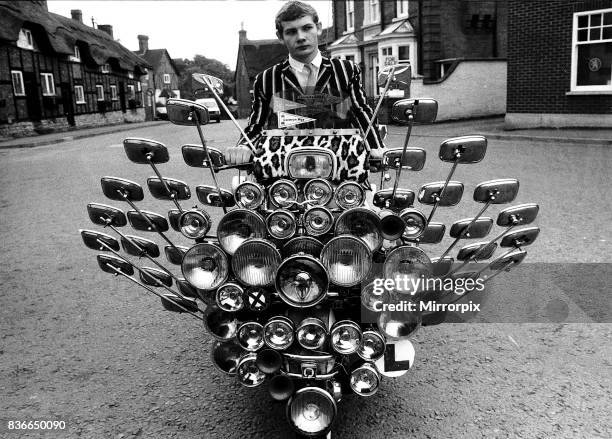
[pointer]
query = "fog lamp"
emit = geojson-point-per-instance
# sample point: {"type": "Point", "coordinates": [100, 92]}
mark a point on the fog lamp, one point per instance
{"type": "Point", "coordinates": [310, 163]}
{"type": "Point", "coordinates": [301, 281]}
{"type": "Point", "coordinates": [345, 337]}
{"type": "Point", "coordinates": [415, 223]}
{"type": "Point", "coordinates": [311, 333]}
{"type": "Point", "coordinates": [221, 324]}
{"type": "Point", "coordinates": [248, 373]}
{"type": "Point", "coordinates": [255, 262]}
{"type": "Point", "coordinates": [281, 224]}
{"type": "Point", "coordinates": [362, 223]}
{"type": "Point", "coordinates": [230, 297]}
{"type": "Point", "coordinates": [397, 325]}
{"type": "Point", "coordinates": [372, 345]}
{"type": "Point", "coordinates": [194, 224]}
{"type": "Point", "coordinates": [407, 262]}
{"type": "Point", "coordinates": [318, 221]}
{"type": "Point", "coordinates": [225, 356]}
{"type": "Point", "coordinates": [250, 336]}
{"type": "Point", "coordinates": [249, 195]}
{"type": "Point", "coordinates": [347, 259]}
{"type": "Point", "coordinates": [237, 226]}
{"type": "Point", "coordinates": [318, 191]}
{"type": "Point", "coordinates": [205, 266]}
{"type": "Point", "coordinates": [349, 194]}
{"type": "Point", "coordinates": [278, 332]}
{"type": "Point", "coordinates": [365, 380]}
{"type": "Point", "coordinates": [372, 298]}
{"type": "Point", "coordinates": [311, 411]}
{"type": "Point", "coordinates": [283, 193]}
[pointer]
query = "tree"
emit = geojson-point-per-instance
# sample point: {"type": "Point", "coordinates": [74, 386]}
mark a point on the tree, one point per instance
{"type": "Point", "coordinates": [201, 64]}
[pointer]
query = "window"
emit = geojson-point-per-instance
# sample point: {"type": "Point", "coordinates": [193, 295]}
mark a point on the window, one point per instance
{"type": "Point", "coordinates": [387, 56]}
{"type": "Point", "coordinates": [105, 68]}
{"type": "Point", "coordinates": [166, 78]}
{"type": "Point", "coordinates": [48, 86]}
{"type": "Point", "coordinates": [25, 40]}
{"type": "Point", "coordinates": [592, 51]}
{"type": "Point", "coordinates": [402, 8]}
{"type": "Point", "coordinates": [372, 12]}
{"type": "Point", "coordinates": [100, 92]}
{"type": "Point", "coordinates": [113, 92]}
{"type": "Point", "coordinates": [350, 15]}
{"type": "Point", "coordinates": [131, 92]}
{"type": "Point", "coordinates": [79, 94]}
{"type": "Point", "coordinates": [77, 54]}
{"type": "Point", "coordinates": [404, 54]}
{"type": "Point", "coordinates": [18, 88]}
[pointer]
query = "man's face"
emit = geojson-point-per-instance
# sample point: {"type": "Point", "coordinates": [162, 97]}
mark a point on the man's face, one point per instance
{"type": "Point", "coordinates": [301, 37]}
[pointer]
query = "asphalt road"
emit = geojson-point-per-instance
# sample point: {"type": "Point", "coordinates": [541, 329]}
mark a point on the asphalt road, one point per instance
{"type": "Point", "coordinates": [81, 346]}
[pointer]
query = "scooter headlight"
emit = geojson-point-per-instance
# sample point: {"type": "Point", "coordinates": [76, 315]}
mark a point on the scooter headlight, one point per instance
{"type": "Point", "coordinates": [281, 224]}
{"type": "Point", "coordinates": [303, 244]}
{"type": "Point", "coordinates": [250, 336]}
{"type": "Point", "coordinates": [283, 193]}
{"type": "Point", "coordinates": [415, 223]}
{"type": "Point", "coordinates": [372, 298]}
{"type": "Point", "coordinates": [255, 262]}
{"type": "Point", "coordinates": [278, 332]}
{"type": "Point", "coordinates": [205, 266]}
{"type": "Point", "coordinates": [248, 373]}
{"type": "Point", "coordinates": [249, 195]}
{"type": "Point", "coordinates": [349, 194]}
{"type": "Point", "coordinates": [372, 346]}
{"type": "Point", "coordinates": [362, 223]}
{"type": "Point", "coordinates": [237, 226]}
{"type": "Point", "coordinates": [311, 411]}
{"type": "Point", "coordinates": [301, 281]}
{"type": "Point", "coordinates": [345, 337]}
{"type": "Point", "coordinates": [365, 380]}
{"type": "Point", "coordinates": [318, 191]}
{"type": "Point", "coordinates": [311, 333]}
{"type": "Point", "coordinates": [407, 262]}
{"type": "Point", "coordinates": [194, 224]}
{"type": "Point", "coordinates": [318, 221]}
{"type": "Point", "coordinates": [221, 324]}
{"type": "Point", "coordinates": [348, 260]}
{"type": "Point", "coordinates": [230, 297]}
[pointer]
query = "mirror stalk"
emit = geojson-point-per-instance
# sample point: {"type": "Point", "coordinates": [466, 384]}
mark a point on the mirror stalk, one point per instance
{"type": "Point", "coordinates": [172, 193]}
{"type": "Point", "coordinates": [439, 197]}
{"type": "Point", "coordinates": [398, 173]}
{"type": "Point", "coordinates": [465, 232]}
{"type": "Point", "coordinates": [379, 103]}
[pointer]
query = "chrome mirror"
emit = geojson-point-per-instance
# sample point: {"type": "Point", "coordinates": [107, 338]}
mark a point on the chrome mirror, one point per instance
{"type": "Point", "coordinates": [145, 151]}
{"type": "Point", "coordinates": [147, 246]}
{"type": "Point", "coordinates": [185, 112]}
{"type": "Point", "coordinates": [414, 158]}
{"type": "Point", "coordinates": [195, 156]}
{"type": "Point", "coordinates": [518, 215]}
{"type": "Point", "coordinates": [484, 250]}
{"type": "Point", "coordinates": [101, 213]}
{"type": "Point", "coordinates": [208, 195]}
{"type": "Point", "coordinates": [384, 199]}
{"type": "Point", "coordinates": [139, 223]}
{"type": "Point", "coordinates": [170, 301]}
{"type": "Point", "coordinates": [208, 80]}
{"type": "Point", "coordinates": [179, 189]}
{"type": "Point", "coordinates": [115, 188]}
{"type": "Point", "coordinates": [430, 193]}
{"type": "Point", "coordinates": [500, 191]}
{"type": "Point", "coordinates": [465, 149]}
{"type": "Point", "coordinates": [186, 289]}
{"type": "Point", "coordinates": [422, 110]}
{"type": "Point", "coordinates": [154, 276]}
{"type": "Point", "coordinates": [402, 76]}
{"type": "Point", "coordinates": [107, 261]}
{"type": "Point", "coordinates": [508, 260]}
{"type": "Point", "coordinates": [173, 218]}
{"type": "Point", "coordinates": [520, 238]}
{"type": "Point", "coordinates": [433, 234]}
{"type": "Point", "coordinates": [175, 254]}
{"type": "Point", "coordinates": [477, 229]}
{"type": "Point", "coordinates": [91, 238]}
{"type": "Point", "coordinates": [442, 266]}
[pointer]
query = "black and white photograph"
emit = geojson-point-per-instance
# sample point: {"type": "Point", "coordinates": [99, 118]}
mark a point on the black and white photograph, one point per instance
{"type": "Point", "coordinates": [306, 219]}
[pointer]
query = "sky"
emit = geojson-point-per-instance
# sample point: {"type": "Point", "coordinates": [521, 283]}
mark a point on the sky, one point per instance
{"type": "Point", "coordinates": [187, 28]}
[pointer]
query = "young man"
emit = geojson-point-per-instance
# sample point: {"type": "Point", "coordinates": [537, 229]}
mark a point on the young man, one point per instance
{"type": "Point", "coordinates": [305, 72]}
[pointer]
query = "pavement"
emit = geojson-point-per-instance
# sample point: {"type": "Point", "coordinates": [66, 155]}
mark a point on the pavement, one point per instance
{"type": "Point", "coordinates": [492, 128]}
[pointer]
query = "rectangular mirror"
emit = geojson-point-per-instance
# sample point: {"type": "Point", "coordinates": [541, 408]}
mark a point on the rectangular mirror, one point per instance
{"type": "Point", "coordinates": [424, 110]}
{"type": "Point", "coordinates": [520, 238]}
{"type": "Point", "coordinates": [107, 261]}
{"type": "Point", "coordinates": [91, 237]}
{"type": "Point", "coordinates": [484, 250]}
{"type": "Point", "coordinates": [402, 76]}
{"type": "Point", "coordinates": [506, 262]}
{"type": "Point", "coordinates": [441, 267]}
{"type": "Point", "coordinates": [208, 195]}
{"type": "Point", "coordinates": [157, 189]}
{"type": "Point", "coordinates": [414, 159]}
{"type": "Point", "coordinates": [433, 234]}
{"type": "Point", "coordinates": [173, 219]}
{"type": "Point", "coordinates": [500, 191]}
{"type": "Point", "coordinates": [186, 289]}
{"type": "Point", "coordinates": [170, 300]}
{"type": "Point", "coordinates": [175, 257]}
{"type": "Point", "coordinates": [184, 112]}
{"type": "Point", "coordinates": [195, 156]}
{"type": "Point", "coordinates": [99, 213]}
{"type": "Point", "coordinates": [139, 223]}
{"type": "Point", "coordinates": [518, 215]}
{"type": "Point", "coordinates": [150, 275]}
{"type": "Point", "coordinates": [112, 187]}
{"type": "Point", "coordinates": [430, 192]}
{"type": "Point", "coordinates": [464, 149]}
{"type": "Point", "coordinates": [149, 247]}
{"type": "Point", "coordinates": [478, 230]}
{"type": "Point", "coordinates": [145, 151]}
{"type": "Point", "coordinates": [403, 198]}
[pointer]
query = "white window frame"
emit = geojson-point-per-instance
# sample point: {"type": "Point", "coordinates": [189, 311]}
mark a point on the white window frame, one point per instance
{"type": "Point", "coordinates": [401, 8]}
{"type": "Point", "coordinates": [138, 86]}
{"type": "Point", "coordinates": [19, 84]}
{"type": "Point", "coordinates": [372, 12]}
{"type": "Point", "coordinates": [79, 94]}
{"type": "Point", "coordinates": [575, 43]}
{"type": "Point", "coordinates": [48, 84]}
{"type": "Point", "coordinates": [350, 15]}
{"type": "Point", "coordinates": [167, 78]}
{"type": "Point", "coordinates": [77, 54]}
{"type": "Point", "coordinates": [113, 92]}
{"type": "Point", "coordinates": [105, 68]}
{"type": "Point", "coordinates": [25, 40]}
{"type": "Point", "coordinates": [131, 91]}
{"type": "Point", "coordinates": [99, 92]}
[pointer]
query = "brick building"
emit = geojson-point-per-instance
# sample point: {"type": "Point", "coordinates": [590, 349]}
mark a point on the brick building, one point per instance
{"type": "Point", "coordinates": [559, 63]}
{"type": "Point", "coordinates": [57, 73]}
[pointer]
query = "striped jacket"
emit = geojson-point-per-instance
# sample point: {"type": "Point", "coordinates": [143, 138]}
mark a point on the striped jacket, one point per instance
{"type": "Point", "coordinates": [336, 77]}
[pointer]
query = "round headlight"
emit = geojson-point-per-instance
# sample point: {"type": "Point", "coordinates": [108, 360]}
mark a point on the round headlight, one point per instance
{"type": "Point", "coordinates": [311, 411]}
{"type": "Point", "coordinates": [318, 221]}
{"type": "Point", "coordinates": [372, 346]}
{"type": "Point", "coordinates": [415, 223]}
{"type": "Point", "coordinates": [278, 332]}
{"type": "Point", "coordinates": [194, 224]}
{"type": "Point", "coordinates": [249, 195]}
{"type": "Point", "coordinates": [281, 224]}
{"type": "Point", "coordinates": [255, 262]}
{"type": "Point", "coordinates": [301, 281]}
{"type": "Point", "coordinates": [225, 356]}
{"type": "Point", "coordinates": [230, 297]}
{"type": "Point", "coordinates": [250, 336]}
{"type": "Point", "coordinates": [365, 380]}
{"type": "Point", "coordinates": [345, 337]}
{"type": "Point", "coordinates": [347, 259]}
{"type": "Point", "coordinates": [237, 226]}
{"type": "Point", "coordinates": [283, 193]}
{"type": "Point", "coordinates": [205, 266]}
{"type": "Point", "coordinates": [221, 324]}
{"type": "Point", "coordinates": [303, 244]}
{"type": "Point", "coordinates": [362, 223]}
{"type": "Point", "coordinates": [372, 298]}
{"type": "Point", "coordinates": [318, 191]}
{"type": "Point", "coordinates": [349, 194]}
{"type": "Point", "coordinates": [392, 226]}
{"type": "Point", "coordinates": [397, 325]}
{"type": "Point", "coordinates": [311, 333]}
{"type": "Point", "coordinates": [407, 262]}
{"type": "Point", "coordinates": [248, 373]}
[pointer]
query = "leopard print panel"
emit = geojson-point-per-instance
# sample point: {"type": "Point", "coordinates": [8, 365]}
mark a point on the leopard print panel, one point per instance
{"type": "Point", "coordinates": [349, 150]}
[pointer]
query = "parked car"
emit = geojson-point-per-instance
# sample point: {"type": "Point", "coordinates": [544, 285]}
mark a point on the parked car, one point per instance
{"type": "Point", "coordinates": [213, 109]}
{"type": "Point", "coordinates": [161, 112]}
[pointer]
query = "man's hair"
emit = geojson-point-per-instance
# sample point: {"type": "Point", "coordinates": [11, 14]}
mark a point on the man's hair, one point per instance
{"type": "Point", "coordinates": [292, 11]}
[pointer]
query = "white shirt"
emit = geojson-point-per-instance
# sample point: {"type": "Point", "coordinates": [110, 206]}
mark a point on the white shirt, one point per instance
{"type": "Point", "coordinates": [301, 73]}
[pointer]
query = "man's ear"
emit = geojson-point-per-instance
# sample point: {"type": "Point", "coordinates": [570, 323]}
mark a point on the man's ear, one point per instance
{"type": "Point", "coordinates": [280, 37]}
{"type": "Point", "coordinates": [319, 29]}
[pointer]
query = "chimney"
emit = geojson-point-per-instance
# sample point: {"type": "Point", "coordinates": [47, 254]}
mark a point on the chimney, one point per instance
{"type": "Point", "coordinates": [242, 38]}
{"type": "Point", "coordinates": [77, 15]}
{"type": "Point", "coordinates": [106, 28]}
{"type": "Point", "coordinates": [143, 43]}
